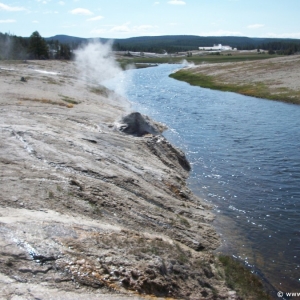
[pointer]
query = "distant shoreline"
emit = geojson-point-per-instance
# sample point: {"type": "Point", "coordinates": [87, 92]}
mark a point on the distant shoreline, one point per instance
{"type": "Point", "coordinates": [274, 79]}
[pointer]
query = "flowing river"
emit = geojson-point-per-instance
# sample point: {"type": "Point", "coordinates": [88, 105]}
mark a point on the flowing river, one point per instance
{"type": "Point", "coordinates": [245, 156]}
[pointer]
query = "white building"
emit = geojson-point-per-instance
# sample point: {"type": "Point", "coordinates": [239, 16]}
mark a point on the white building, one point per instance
{"type": "Point", "coordinates": [219, 47]}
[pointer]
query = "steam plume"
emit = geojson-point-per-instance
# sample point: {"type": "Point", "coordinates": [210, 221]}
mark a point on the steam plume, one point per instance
{"type": "Point", "coordinates": [96, 62]}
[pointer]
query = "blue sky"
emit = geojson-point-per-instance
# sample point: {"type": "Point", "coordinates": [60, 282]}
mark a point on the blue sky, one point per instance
{"type": "Point", "coordinates": [128, 18]}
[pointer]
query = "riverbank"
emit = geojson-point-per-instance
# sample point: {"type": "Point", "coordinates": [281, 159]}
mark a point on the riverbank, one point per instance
{"type": "Point", "coordinates": [89, 211]}
{"type": "Point", "coordinates": [275, 78]}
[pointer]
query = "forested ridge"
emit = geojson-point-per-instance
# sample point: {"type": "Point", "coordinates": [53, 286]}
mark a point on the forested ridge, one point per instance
{"type": "Point", "coordinates": [62, 46]}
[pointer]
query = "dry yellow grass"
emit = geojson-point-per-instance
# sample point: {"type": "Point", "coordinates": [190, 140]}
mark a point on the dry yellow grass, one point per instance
{"type": "Point", "coordinates": [47, 101]}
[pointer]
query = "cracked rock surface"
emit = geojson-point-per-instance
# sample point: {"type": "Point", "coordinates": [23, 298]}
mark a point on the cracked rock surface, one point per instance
{"type": "Point", "coordinates": [87, 210]}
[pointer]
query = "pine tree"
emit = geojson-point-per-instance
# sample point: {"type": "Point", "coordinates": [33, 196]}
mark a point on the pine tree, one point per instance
{"type": "Point", "coordinates": [38, 48]}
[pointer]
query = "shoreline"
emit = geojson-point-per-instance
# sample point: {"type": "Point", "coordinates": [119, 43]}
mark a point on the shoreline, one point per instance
{"type": "Point", "coordinates": [273, 79]}
{"type": "Point", "coordinates": [87, 209]}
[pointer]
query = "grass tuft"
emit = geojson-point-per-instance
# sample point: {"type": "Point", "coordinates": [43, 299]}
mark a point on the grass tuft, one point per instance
{"type": "Point", "coordinates": [103, 91]}
{"type": "Point", "coordinates": [183, 221]}
{"type": "Point", "coordinates": [69, 99]}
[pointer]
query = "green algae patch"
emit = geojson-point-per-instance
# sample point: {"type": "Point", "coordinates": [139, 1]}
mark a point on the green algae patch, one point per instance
{"type": "Point", "coordinates": [240, 279]}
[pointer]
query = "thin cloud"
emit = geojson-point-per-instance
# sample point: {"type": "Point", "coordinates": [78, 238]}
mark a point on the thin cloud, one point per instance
{"type": "Point", "coordinates": [156, 3]}
{"type": "Point", "coordinates": [10, 8]}
{"type": "Point", "coordinates": [95, 18]}
{"type": "Point", "coordinates": [121, 28]}
{"type": "Point", "coordinates": [81, 11]}
{"type": "Point", "coordinates": [8, 21]}
{"type": "Point", "coordinates": [61, 3]}
{"type": "Point", "coordinates": [256, 26]}
{"type": "Point", "coordinates": [177, 2]}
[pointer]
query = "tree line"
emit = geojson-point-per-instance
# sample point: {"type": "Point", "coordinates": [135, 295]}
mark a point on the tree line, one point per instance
{"type": "Point", "coordinates": [161, 49]}
{"type": "Point", "coordinates": [281, 48]}
{"type": "Point", "coordinates": [180, 43]}
{"type": "Point", "coordinates": [34, 47]}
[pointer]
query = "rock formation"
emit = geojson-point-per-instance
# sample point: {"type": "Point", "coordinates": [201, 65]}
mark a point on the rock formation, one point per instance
{"type": "Point", "coordinates": [137, 124]}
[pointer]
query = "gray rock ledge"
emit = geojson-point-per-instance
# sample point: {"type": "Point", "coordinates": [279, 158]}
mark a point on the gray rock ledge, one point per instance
{"type": "Point", "coordinates": [87, 211]}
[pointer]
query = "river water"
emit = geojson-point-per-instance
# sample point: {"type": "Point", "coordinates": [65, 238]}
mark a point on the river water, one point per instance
{"type": "Point", "coordinates": [245, 156]}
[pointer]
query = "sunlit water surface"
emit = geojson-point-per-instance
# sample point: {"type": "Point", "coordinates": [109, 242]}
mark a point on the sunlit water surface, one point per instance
{"type": "Point", "coordinates": [245, 156]}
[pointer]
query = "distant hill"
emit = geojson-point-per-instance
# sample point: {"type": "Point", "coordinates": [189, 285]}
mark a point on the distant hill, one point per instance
{"type": "Point", "coordinates": [176, 43]}
{"type": "Point", "coordinates": [66, 39]}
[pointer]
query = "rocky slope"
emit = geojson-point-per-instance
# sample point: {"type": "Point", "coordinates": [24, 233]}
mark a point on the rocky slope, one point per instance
{"type": "Point", "coordinates": [87, 210]}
